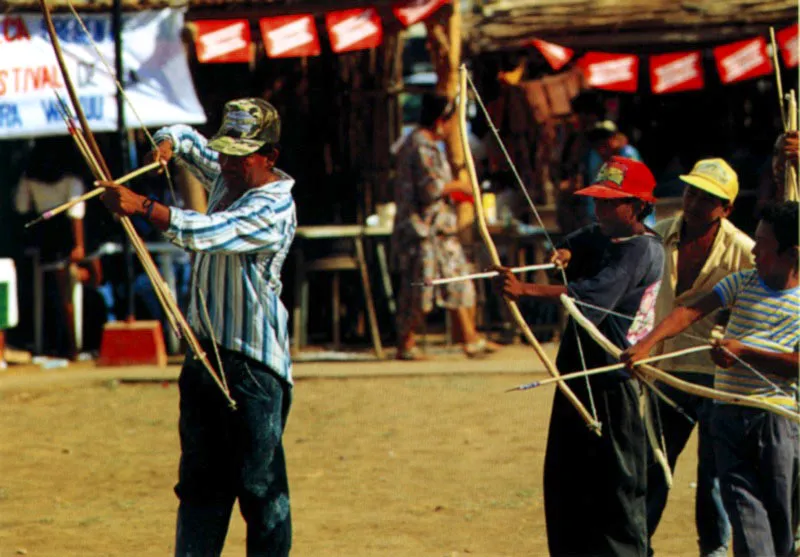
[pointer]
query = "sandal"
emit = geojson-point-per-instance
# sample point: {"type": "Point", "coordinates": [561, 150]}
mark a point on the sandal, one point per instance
{"type": "Point", "coordinates": [477, 349]}
{"type": "Point", "coordinates": [409, 355]}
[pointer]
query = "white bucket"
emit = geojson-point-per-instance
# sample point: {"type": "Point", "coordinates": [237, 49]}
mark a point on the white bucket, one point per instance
{"type": "Point", "coordinates": [9, 311]}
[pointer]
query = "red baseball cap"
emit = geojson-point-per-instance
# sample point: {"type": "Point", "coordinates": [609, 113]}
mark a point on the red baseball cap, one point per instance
{"type": "Point", "coordinates": [620, 178]}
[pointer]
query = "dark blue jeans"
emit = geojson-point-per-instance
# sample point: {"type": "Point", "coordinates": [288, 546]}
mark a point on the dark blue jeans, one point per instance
{"type": "Point", "coordinates": [711, 520]}
{"type": "Point", "coordinates": [757, 459]}
{"type": "Point", "coordinates": [228, 454]}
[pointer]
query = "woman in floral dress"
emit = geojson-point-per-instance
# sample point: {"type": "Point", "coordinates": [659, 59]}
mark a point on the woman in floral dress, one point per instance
{"type": "Point", "coordinates": [425, 242]}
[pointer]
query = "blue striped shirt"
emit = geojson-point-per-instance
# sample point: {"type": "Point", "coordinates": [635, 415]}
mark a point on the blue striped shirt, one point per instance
{"type": "Point", "coordinates": [761, 318]}
{"type": "Point", "coordinates": [238, 255]}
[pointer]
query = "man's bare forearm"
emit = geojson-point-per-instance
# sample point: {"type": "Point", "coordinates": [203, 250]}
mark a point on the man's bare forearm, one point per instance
{"type": "Point", "coordinates": [549, 291]}
{"type": "Point", "coordinates": [784, 364]}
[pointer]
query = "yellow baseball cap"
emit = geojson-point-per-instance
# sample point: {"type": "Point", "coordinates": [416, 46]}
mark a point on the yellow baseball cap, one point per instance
{"type": "Point", "coordinates": [714, 176]}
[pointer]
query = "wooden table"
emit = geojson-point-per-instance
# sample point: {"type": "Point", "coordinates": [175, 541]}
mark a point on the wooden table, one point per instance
{"type": "Point", "coordinates": [336, 263]}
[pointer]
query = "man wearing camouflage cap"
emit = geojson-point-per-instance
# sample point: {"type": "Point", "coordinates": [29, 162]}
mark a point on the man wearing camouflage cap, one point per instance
{"type": "Point", "coordinates": [702, 247]}
{"type": "Point", "coordinates": [239, 247]}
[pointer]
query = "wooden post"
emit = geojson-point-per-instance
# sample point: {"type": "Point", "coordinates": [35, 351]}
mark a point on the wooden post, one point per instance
{"type": "Point", "coordinates": [444, 43]}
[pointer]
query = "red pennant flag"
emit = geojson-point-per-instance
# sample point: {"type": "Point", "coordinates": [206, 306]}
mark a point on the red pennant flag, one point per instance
{"type": "Point", "coordinates": [742, 60]}
{"type": "Point", "coordinates": [354, 29]}
{"type": "Point", "coordinates": [557, 56]}
{"type": "Point", "coordinates": [223, 40]}
{"type": "Point", "coordinates": [612, 72]}
{"type": "Point", "coordinates": [414, 11]}
{"type": "Point", "coordinates": [787, 42]}
{"type": "Point", "coordinates": [676, 71]}
{"type": "Point", "coordinates": [290, 36]}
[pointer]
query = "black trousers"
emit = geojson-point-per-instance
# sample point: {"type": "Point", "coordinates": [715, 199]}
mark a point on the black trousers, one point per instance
{"type": "Point", "coordinates": [595, 487]}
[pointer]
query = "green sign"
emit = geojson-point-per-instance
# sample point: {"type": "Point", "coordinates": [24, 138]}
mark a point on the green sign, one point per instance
{"type": "Point", "coordinates": [4, 305]}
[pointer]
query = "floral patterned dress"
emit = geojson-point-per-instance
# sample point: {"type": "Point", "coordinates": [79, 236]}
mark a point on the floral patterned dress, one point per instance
{"type": "Point", "coordinates": [424, 242]}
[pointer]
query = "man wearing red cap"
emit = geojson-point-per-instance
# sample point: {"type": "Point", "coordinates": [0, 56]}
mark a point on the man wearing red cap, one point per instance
{"type": "Point", "coordinates": [594, 487]}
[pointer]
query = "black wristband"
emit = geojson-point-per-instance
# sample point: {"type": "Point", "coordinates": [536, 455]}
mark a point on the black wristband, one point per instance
{"type": "Point", "coordinates": [148, 205]}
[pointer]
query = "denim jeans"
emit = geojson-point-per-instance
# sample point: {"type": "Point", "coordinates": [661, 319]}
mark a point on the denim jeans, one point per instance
{"type": "Point", "coordinates": [228, 454]}
{"type": "Point", "coordinates": [757, 459]}
{"type": "Point", "coordinates": [711, 520]}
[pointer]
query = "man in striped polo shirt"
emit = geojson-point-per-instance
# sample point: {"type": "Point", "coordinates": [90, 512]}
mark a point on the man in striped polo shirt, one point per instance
{"type": "Point", "coordinates": [756, 451]}
{"type": "Point", "coordinates": [239, 247]}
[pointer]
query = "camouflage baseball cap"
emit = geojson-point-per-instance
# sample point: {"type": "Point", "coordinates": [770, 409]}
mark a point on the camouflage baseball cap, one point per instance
{"type": "Point", "coordinates": [248, 125]}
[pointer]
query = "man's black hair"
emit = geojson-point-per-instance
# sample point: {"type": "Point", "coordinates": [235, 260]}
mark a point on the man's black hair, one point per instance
{"type": "Point", "coordinates": [433, 108]}
{"type": "Point", "coordinates": [647, 208]}
{"type": "Point", "coordinates": [267, 149]}
{"type": "Point", "coordinates": [783, 219]}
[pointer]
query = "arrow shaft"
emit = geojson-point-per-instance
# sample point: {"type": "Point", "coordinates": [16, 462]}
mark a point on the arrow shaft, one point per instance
{"type": "Point", "coordinates": [615, 367]}
{"type": "Point", "coordinates": [486, 274]}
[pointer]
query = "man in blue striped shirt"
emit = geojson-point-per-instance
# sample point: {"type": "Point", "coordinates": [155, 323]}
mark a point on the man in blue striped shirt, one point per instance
{"type": "Point", "coordinates": [239, 247]}
{"type": "Point", "coordinates": [756, 451]}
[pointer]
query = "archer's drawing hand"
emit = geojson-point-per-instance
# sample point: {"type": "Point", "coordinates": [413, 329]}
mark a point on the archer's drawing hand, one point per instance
{"type": "Point", "coordinates": [162, 154]}
{"type": "Point", "coordinates": [507, 284]}
{"type": "Point", "coordinates": [633, 354]}
{"type": "Point", "coordinates": [120, 200]}
{"type": "Point", "coordinates": [560, 258]}
{"type": "Point", "coordinates": [726, 351]}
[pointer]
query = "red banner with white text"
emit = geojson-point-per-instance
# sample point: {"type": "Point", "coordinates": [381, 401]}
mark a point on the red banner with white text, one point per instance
{"type": "Point", "coordinates": [742, 60]}
{"type": "Point", "coordinates": [611, 72]}
{"type": "Point", "coordinates": [676, 71]}
{"type": "Point", "coordinates": [414, 11]}
{"type": "Point", "coordinates": [223, 41]}
{"type": "Point", "coordinates": [291, 35]}
{"type": "Point", "coordinates": [787, 43]}
{"type": "Point", "coordinates": [354, 29]}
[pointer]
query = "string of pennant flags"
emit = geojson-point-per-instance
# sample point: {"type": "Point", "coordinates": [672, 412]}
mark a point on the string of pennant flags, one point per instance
{"type": "Point", "coordinates": [296, 35]}
{"type": "Point", "coordinates": [675, 71]}
{"type": "Point", "coordinates": [361, 28]}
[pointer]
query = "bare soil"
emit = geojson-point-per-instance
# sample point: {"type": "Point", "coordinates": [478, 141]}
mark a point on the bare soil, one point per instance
{"type": "Point", "coordinates": [404, 465]}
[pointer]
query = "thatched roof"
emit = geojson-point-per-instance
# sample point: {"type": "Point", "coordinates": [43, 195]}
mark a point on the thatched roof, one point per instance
{"type": "Point", "coordinates": [506, 24]}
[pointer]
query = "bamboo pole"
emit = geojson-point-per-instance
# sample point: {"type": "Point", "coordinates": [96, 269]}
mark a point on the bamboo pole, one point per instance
{"type": "Point", "coordinates": [777, 69]}
{"type": "Point", "coordinates": [790, 186]}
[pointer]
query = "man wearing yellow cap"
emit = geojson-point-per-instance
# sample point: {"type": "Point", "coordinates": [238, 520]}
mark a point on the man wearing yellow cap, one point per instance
{"type": "Point", "coordinates": [701, 246]}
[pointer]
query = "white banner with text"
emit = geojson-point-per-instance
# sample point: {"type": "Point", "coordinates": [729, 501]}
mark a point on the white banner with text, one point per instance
{"type": "Point", "coordinates": [156, 76]}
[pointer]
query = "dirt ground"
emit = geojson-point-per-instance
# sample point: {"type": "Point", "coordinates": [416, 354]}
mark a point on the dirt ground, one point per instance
{"type": "Point", "coordinates": [396, 464]}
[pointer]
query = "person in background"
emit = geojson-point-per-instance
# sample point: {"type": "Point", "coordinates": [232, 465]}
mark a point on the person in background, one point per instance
{"type": "Point", "coordinates": [756, 451]}
{"type": "Point", "coordinates": [425, 244]}
{"type": "Point", "coordinates": [238, 248]}
{"type": "Point", "coordinates": [594, 486]}
{"type": "Point", "coordinates": [48, 182]}
{"type": "Point", "coordinates": [607, 141]}
{"type": "Point", "coordinates": [702, 246]}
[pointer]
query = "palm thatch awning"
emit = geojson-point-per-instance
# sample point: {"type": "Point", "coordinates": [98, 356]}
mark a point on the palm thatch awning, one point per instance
{"type": "Point", "coordinates": [492, 25]}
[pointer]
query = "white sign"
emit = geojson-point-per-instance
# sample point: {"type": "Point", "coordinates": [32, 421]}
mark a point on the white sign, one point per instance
{"type": "Point", "coordinates": [157, 79]}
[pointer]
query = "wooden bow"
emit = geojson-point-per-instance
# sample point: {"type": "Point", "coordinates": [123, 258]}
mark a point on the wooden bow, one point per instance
{"type": "Point", "coordinates": [650, 372]}
{"type": "Point", "coordinates": [469, 162]}
{"type": "Point", "coordinates": [97, 164]}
